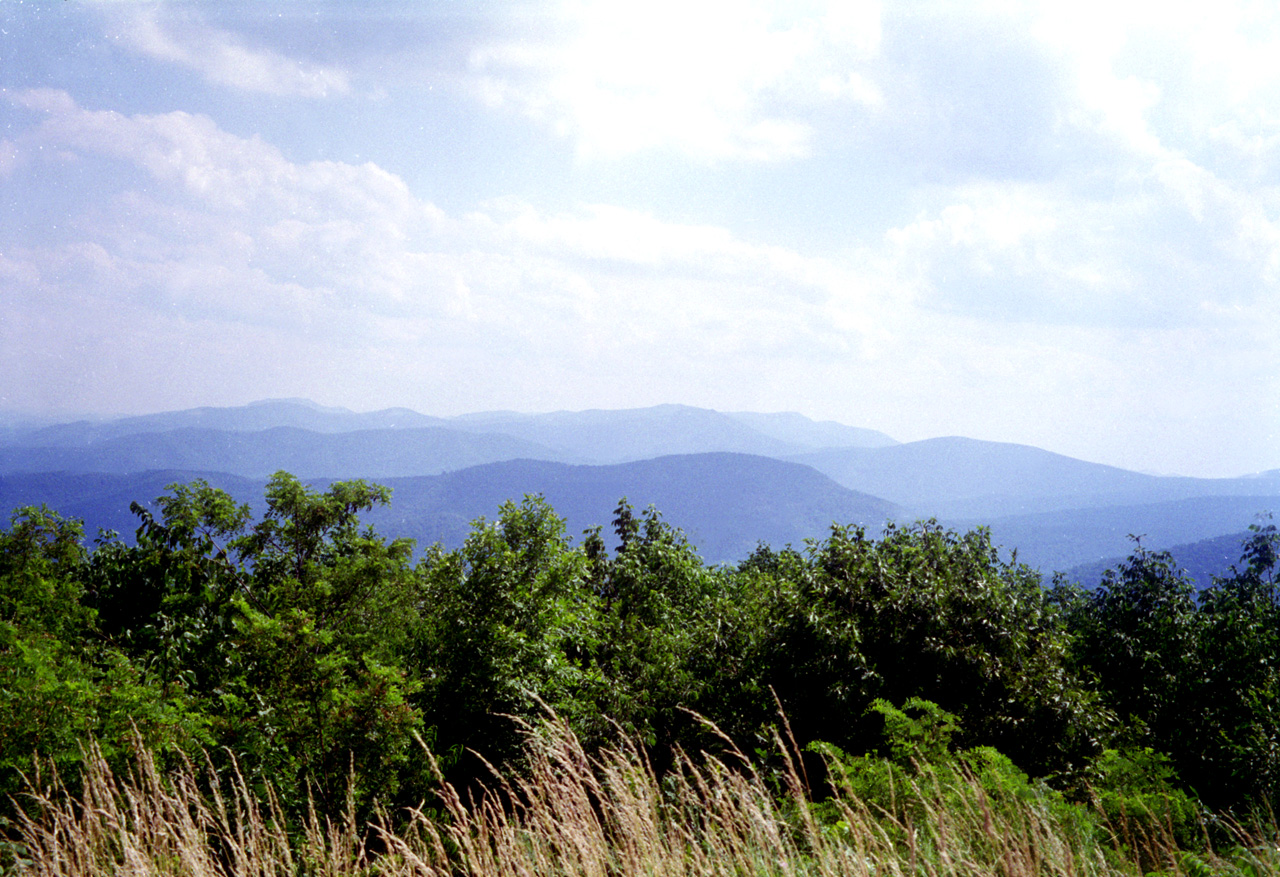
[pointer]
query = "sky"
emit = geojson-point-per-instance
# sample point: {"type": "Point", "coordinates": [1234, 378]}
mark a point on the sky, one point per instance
{"type": "Point", "coordinates": [1055, 224]}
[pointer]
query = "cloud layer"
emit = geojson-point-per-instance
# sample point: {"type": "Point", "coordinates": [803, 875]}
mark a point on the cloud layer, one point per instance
{"type": "Point", "coordinates": [223, 58]}
{"type": "Point", "coordinates": [714, 80]}
{"type": "Point", "coordinates": [1072, 231]}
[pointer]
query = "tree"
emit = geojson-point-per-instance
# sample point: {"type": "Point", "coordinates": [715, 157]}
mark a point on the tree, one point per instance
{"type": "Point", "coordinates": [1196, 676]}
{"type": "Point", "coordinates": [62, 682]}
{"type": "Point", "coordinates": [508, 627]}
{"type": "Point", "coordinates": [168, 600]}
{"type": "Point", "coordinates": [928, 613]}
{"type": "Point", "coordinates": [1234, 720]}
{"type": "Point", "coordinates": [1138, 633]}
{"type": "Point", "coordinates": [316, 686]}
{"type": "Point", "coordinates": [288, 634]}
{"type": "Point", "coordinates": [659, 600]}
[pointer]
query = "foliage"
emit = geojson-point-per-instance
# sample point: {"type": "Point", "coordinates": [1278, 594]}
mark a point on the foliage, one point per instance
{"type": "Point", "coordinates": [570, 812]}
{"type": "Point", "coordinates": [313, 689]}
{"type": "Point", "coordinates": [508, 627]}
{"type": "Point", "coordinates": [168, 600]}
{"type": "Point", "coordinates": [656, 599]}
{"type": "Point", "coordinates": [928, 613]}
{"type": "Point", "coordinates": [1136, 792]}
{"type": "Point", "coordinates": [60, 685]}
{"type": "Point", "coordinates": [1235, 715]}
{"type": "Point", "coordinates": [1195, 678]}
{"type": "Point", "coordinates": [919, 773]}
{"type": "Point", "coordinates": [312, 655]}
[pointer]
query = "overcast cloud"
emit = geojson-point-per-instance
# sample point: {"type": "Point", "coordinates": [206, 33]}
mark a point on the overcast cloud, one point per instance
{"type": "Point", "coordinates": [1014, 221]}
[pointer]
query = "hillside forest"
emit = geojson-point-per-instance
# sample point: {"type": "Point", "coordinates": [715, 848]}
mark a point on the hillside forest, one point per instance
{"type": "Point", "coordinates": [321, 661]}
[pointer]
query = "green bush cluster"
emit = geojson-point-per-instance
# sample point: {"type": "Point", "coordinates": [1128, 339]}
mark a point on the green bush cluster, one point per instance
{"type": "Point", "coordinates": [320, 656]}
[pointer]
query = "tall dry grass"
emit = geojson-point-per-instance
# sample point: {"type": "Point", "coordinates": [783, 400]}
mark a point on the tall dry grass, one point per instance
{"type": "Point", "coordinates": [567, 813]}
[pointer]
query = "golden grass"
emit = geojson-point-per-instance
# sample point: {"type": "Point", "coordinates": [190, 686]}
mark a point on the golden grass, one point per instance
{"type": "Point", "coordinates": [567, 813]}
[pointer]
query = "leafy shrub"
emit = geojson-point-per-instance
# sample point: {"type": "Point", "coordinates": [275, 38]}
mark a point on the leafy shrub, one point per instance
{"type": "Point", "coordinates": [1137, 794]}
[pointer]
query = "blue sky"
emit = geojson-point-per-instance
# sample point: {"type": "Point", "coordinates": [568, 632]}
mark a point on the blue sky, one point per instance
{"type": "Point", "coordinates": [1047, 223]}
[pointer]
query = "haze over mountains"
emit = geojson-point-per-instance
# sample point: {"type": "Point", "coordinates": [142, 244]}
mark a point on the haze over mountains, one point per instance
{"type": "Point", "coordinates": [402, 442]}
{"type": "Point", "coordinates": [730, 480]}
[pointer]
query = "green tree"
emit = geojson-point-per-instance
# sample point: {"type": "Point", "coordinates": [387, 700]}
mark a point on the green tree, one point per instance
{"type": "Point", "coordinates": [1138, 634]}
{"type": "Point", "coordinates": [62, 683]}
{"type": "Point", "coordinates": [315, 689]}
{"type": "Point", "coordinates": [169, 600]}
{"type": "Point", "coordinates": [928, 613]}
{"type": "Point", "coordinates": [289, 633]}
{"type": "Point", "coordinates": [508, 628]}
{"type": "Point", "coordinates": [658, 600]}
{"type": "Point", "coordinates": [1233, 720]}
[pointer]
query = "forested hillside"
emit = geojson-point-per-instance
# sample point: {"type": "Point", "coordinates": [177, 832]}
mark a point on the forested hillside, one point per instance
{"type": "Point", "coordinates": [310, 650]}
{"type": "Point", "coordinates": [730, 479]}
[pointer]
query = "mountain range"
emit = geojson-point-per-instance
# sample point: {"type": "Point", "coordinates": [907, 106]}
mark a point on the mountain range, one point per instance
{"type": "Point", "coordinates": [729, 479]}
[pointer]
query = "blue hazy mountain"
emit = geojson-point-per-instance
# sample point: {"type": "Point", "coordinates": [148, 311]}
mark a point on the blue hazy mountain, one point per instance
{"type": "Point", "coordinates": [102, 500]}
{"type": "Point", "coordinates": [796, 429]}
{"type": "Point", "coordinates": [962, 478]}
{"type": "Point", "coordinates": [366, 453]}
{"type": "Point", "coordinates": [726, 503]}
{"type": "Point", "coordinates": [313, 441]}
{"type": "Point", "coordinates": [600, 436]}
{"type": "Point", "coordinates": [1199, 561]}
{"type": "Point", "coordinates": [257, 416]}
{"type": "Point", "coordinates": [1058, 511]}
{"type": "Point", "coordinates": [1066, 539]}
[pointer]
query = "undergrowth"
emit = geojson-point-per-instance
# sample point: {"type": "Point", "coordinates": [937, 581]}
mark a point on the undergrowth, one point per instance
{"type": "Point", "coordinates": [568, 812]}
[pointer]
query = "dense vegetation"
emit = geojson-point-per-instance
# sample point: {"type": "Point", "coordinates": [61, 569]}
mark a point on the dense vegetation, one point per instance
{"type": "Point", "coordinates": [317, 659]}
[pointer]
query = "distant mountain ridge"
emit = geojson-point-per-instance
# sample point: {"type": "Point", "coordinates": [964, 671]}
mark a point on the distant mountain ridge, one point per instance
{"type": "Point", "coordinates": [366, 453]}
{"type": "Point", "coordinates": [585, 436]}
{"type": "Point", "coordinates": [597, 436]}
{"type": "Point", "coordinates": [1200, 561]}
{"type": "Point", "coordinates": [1070, 538]}
{"type": "Point", "coordinates": [1057, 511]}
{"type": "Point", "coordinates": [254, 417]}
{"type": "Point", "coordinates": [726, 503]}
{"type": "Point", "coordinates": [966, 478]}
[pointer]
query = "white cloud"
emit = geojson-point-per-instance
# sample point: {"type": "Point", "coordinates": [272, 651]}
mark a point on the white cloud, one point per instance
{"type": "Point", "coordinates": [226, 267]}
{"type": "Point", "coordinates": [1134, 184]}
{"type": "Point", "coordinates": [1186, 78]}
{"type": "Point", "coordinates": [711, 79]}
{"type": "Point", "coordinates": [1175, 248]}
{"type": "Point", "coordinates": [230, 229]}
{"type": "Point", "coordinates": [224, 58]}
{"type": "Point", "coordinates": [8, 157]}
